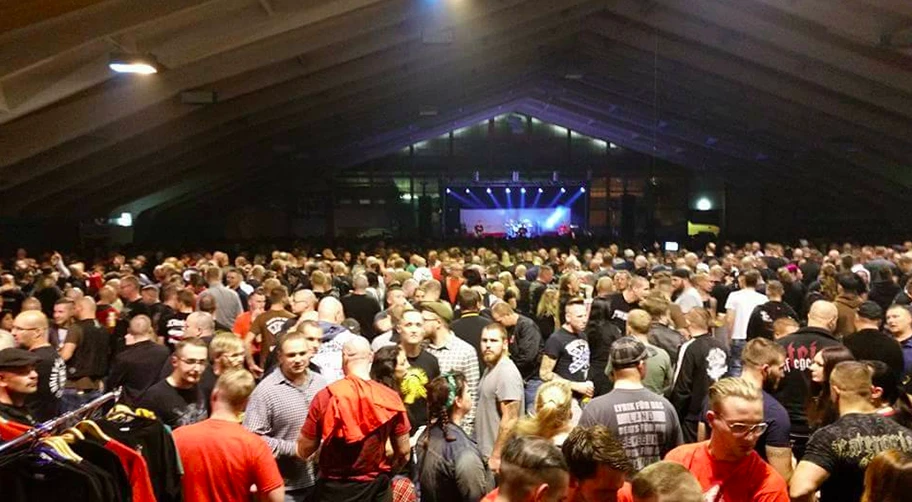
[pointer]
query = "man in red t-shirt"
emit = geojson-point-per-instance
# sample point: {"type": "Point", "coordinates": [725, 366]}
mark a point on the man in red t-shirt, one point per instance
{"type": "Point", "coordinates": [223, 460]}
{"type": "Point", "coordinates": [353, 418]}
{"type": "Point", "coordinates": [727, 466]}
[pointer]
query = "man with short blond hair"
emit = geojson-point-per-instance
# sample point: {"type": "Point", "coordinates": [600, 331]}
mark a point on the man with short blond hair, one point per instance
{"type": "Point", "coordinates": [224, 469]}
{"type": "Point", "coordinates": [726, 466]}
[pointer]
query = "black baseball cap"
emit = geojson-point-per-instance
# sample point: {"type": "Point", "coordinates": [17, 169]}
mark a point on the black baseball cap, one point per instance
{"type": "Point", "coordinates": [870, 310]}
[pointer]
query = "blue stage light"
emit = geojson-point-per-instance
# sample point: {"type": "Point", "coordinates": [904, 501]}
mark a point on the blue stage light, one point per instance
{"type": "Point", "coordinates": [468, 191]}
{"type": "Point", "coordinates": [541, 190]}
{"type": "Point", "coordinates": [488, 190]}
{"type": "Point", "coordinates": [522, 190]}
{"type": "Point", "coordinates": [563, 190]}
{"type": "Point", "coordinates": [507, 190]}
{"type": "Point", "coordinates": [582, 189]}
{"type": "Point", "coordinates": [448, 190]}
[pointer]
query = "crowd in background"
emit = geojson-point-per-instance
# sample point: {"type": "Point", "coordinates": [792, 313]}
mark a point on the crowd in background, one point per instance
{"type": "Point", "coordinates": [387, 372]}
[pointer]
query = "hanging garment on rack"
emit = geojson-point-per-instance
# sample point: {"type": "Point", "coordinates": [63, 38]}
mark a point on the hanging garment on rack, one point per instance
{"type": "Point", "coordinates": [41, 474]}
{"type": "Point", "coordinates": [98, 456]}
{"type": "Point", "coordinates": [10, 430]}
{"type": "Point", "coordinates": [150, 438]}
{"type": "Point", "coordinates": [137, 470]}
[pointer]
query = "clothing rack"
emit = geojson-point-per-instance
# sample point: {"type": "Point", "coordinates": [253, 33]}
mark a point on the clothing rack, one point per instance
{"type": "Point", "coordinates": [51, 425]}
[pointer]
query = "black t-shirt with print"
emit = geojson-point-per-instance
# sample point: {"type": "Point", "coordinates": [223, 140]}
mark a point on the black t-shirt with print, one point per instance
{"type": "Point", "coordinates": [845, 447]}
{"type": "Point", "coordinates": [422, 369]}
{"type": "Point", "coordinates": [571, 353]}
{"type": "Point", "coordinates": [175, 407]}
{"type": "Point", "coordinates": [620, 307]}
{"type": "Point", "coordinates": [51, 370]}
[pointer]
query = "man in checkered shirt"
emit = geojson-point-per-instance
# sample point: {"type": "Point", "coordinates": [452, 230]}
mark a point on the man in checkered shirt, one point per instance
{"type": "Point", "coordinates": [278, 407]}
{"type": "Point", "coordinates": [452, 353]}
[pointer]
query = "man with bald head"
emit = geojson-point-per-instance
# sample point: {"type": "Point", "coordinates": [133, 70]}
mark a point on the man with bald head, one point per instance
{"type": "Point", "coordinates": [335, 336]}
{"type": "Point", "coordinates": [30, 330]}
{"type": "Point", "coordinates": [200, 325]}
{"type": "Point", "coordinates": [354, 418]}
{"type": "Point", "coordinates": [362, 307]}
{"type": "Point", "coordinates": [86, 352]}
{"type": "Point", "coordinates": [800, 349]}
{"type": "Point", "coordinates": [139, 365]}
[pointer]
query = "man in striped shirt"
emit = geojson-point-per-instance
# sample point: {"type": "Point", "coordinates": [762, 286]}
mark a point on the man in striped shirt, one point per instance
{"type": "Point", "coordinates": [279, 405]}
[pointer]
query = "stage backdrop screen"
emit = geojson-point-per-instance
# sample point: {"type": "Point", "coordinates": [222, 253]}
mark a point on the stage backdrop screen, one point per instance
{"type": "Point", "coordinates": [515, 222]}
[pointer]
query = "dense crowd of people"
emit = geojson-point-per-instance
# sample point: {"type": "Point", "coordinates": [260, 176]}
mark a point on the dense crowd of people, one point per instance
{"type": "Point", "coordinates": [751, 373]}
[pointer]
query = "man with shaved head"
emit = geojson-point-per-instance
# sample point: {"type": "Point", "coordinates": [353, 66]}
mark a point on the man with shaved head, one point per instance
{"type": "Point", "coordinates": [361, 307]}
{"type": "Point", "coordinates": [350, 421]}
{"type": "Point", "coordinates": [30, 329]}
{"type": "Point", "coordinates": [139, 365]}
{"type": "Point", "coordinates": [800, 349]}
{"type": "Point", "coordinates": [335, 336]}
{"type": "Point", "coordinates": [86, 352]}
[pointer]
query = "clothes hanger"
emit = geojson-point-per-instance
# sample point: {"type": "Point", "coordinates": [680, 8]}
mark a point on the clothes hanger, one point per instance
{"type": "Point", "coordinates": [60, 446]}
{"type": "Point", "coordinates": [92, 429]}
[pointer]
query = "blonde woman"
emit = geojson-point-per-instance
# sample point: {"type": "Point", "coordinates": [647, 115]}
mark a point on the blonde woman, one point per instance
{"type": "Point", "coordinates": [547, 312]}
{"type": "Point", "coordinates": [506, 278]}
{"type": "Point", "coordinates": [555, 413]}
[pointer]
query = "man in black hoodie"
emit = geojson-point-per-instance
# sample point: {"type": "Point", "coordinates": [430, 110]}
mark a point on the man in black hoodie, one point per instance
{"type": "Point", "coordinates": [703, 361]}
{"type": "Point", "coordinates": [800, 349]}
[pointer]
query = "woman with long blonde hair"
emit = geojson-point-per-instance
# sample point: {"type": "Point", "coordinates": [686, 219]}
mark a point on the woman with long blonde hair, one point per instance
{"type": "Point", "coordinates": [553, 418]}
{"type": "Point", "coordinates": [547, 312]}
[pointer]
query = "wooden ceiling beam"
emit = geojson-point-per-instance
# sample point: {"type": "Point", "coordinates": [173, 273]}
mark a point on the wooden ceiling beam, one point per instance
{"type": "Point", "coordinates": [768, 45]}
{"type": "Point", "coordinates": [228, 147]}
{"type": "Point", "coordinates": [280, 83]}
{"type": "Point", "coordinates": [68, 120]}
{"type": "Point", "coordinates": [609, 31]}
{"type": "Point", "coordinates": [292, 101]}
{"type": "Point", "coordinates": [799, 127]}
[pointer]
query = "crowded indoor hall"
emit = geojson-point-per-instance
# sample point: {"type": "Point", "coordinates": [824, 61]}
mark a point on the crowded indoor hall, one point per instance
{"type": "Point", "coordinates": [455, 251]}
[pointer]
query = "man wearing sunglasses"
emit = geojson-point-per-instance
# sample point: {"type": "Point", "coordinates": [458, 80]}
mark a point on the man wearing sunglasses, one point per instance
{"type": "Point", "coordinates": [178, 400]}
{"type": "Point", "coordinates": [727, 466]}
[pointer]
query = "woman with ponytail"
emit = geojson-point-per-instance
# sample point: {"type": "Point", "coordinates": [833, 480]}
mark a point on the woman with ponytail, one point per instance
{"type": "Point", "coordinates": [450, 467]}
{"type": "Point", "coordinates": [553, 419]}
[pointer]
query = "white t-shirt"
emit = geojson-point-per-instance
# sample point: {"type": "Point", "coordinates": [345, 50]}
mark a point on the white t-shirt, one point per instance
{"type": "Point", "coordinates": [689, 300]}
{"type": "Point", "coordinates": [743, 302]}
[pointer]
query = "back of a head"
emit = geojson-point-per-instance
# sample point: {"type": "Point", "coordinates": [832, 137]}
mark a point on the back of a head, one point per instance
{"type": "Point", "coordinates": [527, 462]}
{"type": "Point", "coordinates": [356, 348]}
{"type": "Point", "coordinates": [638, 321]}
{"type": "Point", "coordinates": [278, 295]}
{"type": "Point", "coordinates": [588, 447]}
{"type": "Point", "coordinates": [206, 303]}
{"type": "Point", "coordinates": [850, 283]}
{"type": "Point", "coordinates": [141, 326]}
{"type": "Point", "coordinates": [853, 378]}
{"type": "Point", "coordinates": [224, 343]}
{"type": "Point", "coordinates": [655, 304]}
{"type": "Point", "coordinates": [213, 274]}
{"type": "Point", "coordinates": [468, 300]}
{"type": "Point", "coordinates": [234, 387]}
{"type": "Point", "coordinates": [330, 310]}
{"type": "Point", "coordinates": [698, 319]}
{"type": "Point", "coordinates": [553, 410]}
{"type": "Point", "coordinates": [888, 477]}
{"type": "Point", "coordinates": [761, 351]}
{"type": "Point", "coordinates": [666, 482]}
{"type": "Point", "coordinates": [774, 288]}
{"type": "Point", "coordinates": [751, 279]}
{"type": "Point", "coordinates": [822, 313]}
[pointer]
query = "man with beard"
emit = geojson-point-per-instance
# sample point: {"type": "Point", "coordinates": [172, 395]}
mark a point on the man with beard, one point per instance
{"type": "Point", "coordinates": [764, 362]}
{"type": "Point", "coordinates": [177, 400]}
{"type": "Point", "coordinates": [500, 395]}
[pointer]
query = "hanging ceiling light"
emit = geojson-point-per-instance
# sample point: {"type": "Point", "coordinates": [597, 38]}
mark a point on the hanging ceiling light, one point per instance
{"type": "Point", "coordinates": [144, 64]}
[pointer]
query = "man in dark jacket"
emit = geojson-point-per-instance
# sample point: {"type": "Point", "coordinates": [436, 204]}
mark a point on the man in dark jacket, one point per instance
{"type": "Point", "coordinates": [704, 360]}
{"type": "Point", "coordinates": [139, 366]}
{"type": "Point", "coordinates": [800, 349]}
{"type": "Point", "coordinates": [525, 346]}
{"type": "Point", "coordinates": [872, 344]}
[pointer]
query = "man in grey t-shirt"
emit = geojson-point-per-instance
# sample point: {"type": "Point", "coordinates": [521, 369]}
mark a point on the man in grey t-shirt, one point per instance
{"type": "Point", "coordinates": [500, 395]}
{"type": "Point", "coordinates": [643, 421]}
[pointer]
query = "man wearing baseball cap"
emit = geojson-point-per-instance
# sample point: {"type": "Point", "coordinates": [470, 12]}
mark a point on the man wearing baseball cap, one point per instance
{"type": "Point", "coordinates": [645, 422]}
{"type": "Point", "coordinates": [868, 342]}
{"type": "Point", "coordinates": [18, 379]}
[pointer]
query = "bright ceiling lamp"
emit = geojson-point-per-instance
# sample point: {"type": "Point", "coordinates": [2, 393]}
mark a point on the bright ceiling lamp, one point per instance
{"type": "Point", "coordinates": [143, 64]}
